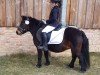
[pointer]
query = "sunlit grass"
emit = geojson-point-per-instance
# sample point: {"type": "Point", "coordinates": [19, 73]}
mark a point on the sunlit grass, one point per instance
{"type": "Point", "coordinates": [24, 64]}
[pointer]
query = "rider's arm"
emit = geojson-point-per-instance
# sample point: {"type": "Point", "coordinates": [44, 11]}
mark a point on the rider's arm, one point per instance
{"type": "Point", "coordinates": [53, 18]}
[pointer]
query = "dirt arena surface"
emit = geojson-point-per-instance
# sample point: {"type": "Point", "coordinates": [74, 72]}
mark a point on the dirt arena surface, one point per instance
{"type": "Point", "coordinates": [10, 43]}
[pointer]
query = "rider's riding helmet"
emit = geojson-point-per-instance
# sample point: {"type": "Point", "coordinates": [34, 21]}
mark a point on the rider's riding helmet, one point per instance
{"type": "Point", "coordinates": [56, 1]}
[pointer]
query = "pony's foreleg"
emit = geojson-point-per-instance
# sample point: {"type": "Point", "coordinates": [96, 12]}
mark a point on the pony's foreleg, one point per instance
{"type": "Point", "coordinates": [71, 65]}
{"type": "Point", "coordinates": [39, 58]}
{"type": "Point", "coordinates": [46, 54]}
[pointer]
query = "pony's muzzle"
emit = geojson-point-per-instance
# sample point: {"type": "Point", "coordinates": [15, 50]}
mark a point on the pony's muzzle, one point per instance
{"type": "Point", "coordinates": [18, 32]}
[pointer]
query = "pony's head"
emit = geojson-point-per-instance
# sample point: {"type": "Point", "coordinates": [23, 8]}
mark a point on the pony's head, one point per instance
{"type": "Point", "coordinates": [29, 24]}
{"type": "Point", "coordinates": [24, 25]}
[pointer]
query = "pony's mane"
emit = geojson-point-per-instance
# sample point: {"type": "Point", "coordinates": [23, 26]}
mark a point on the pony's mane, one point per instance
{"type": "Point", "coordinates": [35, 21]}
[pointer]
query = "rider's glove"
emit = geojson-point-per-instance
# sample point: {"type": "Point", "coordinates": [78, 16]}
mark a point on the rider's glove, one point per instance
{"type": "Point", "coordinates": [44, 21]}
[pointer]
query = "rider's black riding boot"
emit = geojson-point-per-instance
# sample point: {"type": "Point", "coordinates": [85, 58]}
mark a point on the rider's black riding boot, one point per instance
{"type": "Point", "coordinates": [42, 38]}
{"type": "Point", "coordinates": [44, 41]}
{"type": "Point", "coordinates": [39, 37]}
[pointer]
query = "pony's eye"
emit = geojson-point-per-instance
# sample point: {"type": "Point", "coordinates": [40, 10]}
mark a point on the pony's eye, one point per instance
{"type": "Point", "coordinates": [27, 22]}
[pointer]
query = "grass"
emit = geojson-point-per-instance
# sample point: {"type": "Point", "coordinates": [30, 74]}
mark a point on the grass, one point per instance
{"type": "Point", "coordinates": [24, 64]}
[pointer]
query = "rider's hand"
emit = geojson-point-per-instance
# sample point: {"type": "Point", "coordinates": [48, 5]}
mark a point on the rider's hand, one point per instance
{"type": "Point", "coordinates": [44, 21]}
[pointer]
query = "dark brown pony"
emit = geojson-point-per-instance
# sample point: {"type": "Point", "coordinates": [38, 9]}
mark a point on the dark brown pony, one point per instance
{"type": "Point", "coordinates": [74, 39]}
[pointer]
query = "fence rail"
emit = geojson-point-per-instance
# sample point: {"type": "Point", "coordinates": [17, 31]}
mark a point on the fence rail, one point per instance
{"type": "Point", "coordinates": [82, 13]}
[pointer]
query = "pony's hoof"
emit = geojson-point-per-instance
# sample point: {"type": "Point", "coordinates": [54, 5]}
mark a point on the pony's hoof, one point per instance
{"type": "Point", "coordinates": [38, 66]}
{"type": "Point", "coordinates": [47, 63]}
{"type": "Point", "coordinates": [83, 70]}
{"type": "Point", "coordinates": [71, 66]}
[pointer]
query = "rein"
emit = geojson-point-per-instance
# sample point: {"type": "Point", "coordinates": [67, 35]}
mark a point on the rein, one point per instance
{"type": "Point", "coordinates": [39, 23]}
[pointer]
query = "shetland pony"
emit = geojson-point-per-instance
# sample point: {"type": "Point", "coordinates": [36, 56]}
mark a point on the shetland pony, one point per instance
{"type": "Point", "coordinates": [73, 39]}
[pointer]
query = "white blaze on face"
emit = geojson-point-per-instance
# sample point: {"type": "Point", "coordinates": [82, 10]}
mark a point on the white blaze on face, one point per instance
{"type": "Point", "coordinates": [27, 22]}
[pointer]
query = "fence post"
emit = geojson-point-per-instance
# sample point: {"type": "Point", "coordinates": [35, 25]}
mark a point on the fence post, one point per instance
{"type": "Point", "coordinates": [63, 14]}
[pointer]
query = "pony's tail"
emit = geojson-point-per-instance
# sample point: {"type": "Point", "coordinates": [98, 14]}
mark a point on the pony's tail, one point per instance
{"type": "Point", "coordinates": [85, 50]}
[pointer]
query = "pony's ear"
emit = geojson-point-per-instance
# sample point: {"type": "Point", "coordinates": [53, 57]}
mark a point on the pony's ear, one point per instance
{"type": "Point", "coordinates": [23, 17]}
{"type": "Point", "coordinates": [30, 17]}
{"type": "Point", "coordinates": [26, 18]}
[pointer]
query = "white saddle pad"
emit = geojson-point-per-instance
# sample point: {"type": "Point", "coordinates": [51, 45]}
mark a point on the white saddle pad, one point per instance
{"type": "Point", "coordinates": [56, 36]}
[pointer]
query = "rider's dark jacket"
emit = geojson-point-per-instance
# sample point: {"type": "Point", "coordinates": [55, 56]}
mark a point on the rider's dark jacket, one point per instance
{"type": "Point", "coordinates": [54, 17]}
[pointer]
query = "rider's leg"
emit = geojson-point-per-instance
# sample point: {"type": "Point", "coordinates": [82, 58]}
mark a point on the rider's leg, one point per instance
{"type": "Point", "coordinates": [39, 37]}
{"type": "Point", "coordinates": [44, 41]}
{"type": "Point", "coordinates": [42, 38]}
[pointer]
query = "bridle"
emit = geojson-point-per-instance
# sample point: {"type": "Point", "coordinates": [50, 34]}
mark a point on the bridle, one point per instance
{"type": "Point", "coordinates": [22, 30]}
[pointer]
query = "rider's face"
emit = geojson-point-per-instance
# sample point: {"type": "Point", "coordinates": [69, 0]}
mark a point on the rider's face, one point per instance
{"type": "Point", "coordinates": [53, 4]}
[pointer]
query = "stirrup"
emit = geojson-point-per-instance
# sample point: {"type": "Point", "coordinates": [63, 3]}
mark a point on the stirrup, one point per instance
{"type": "Point", "coordinates": [40, 47]}
{"type": "Point", "coordinates": [45, 48]}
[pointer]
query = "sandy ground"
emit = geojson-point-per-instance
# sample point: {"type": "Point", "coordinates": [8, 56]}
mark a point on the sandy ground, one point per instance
{"type": "Point", "coordinates": [10, 43]}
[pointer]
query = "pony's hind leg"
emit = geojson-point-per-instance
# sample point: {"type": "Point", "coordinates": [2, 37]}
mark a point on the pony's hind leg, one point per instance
{"type": "Point", "coordinates": [81, 60]}
{"type": "Point", "coordinates": [46, 54]}
{"type": "Point", "coordinates": [71, 65]}
{"type": "Point", "coordinates": [80, 56]}
{"type": "Point", "coordinates": [77, 49]}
